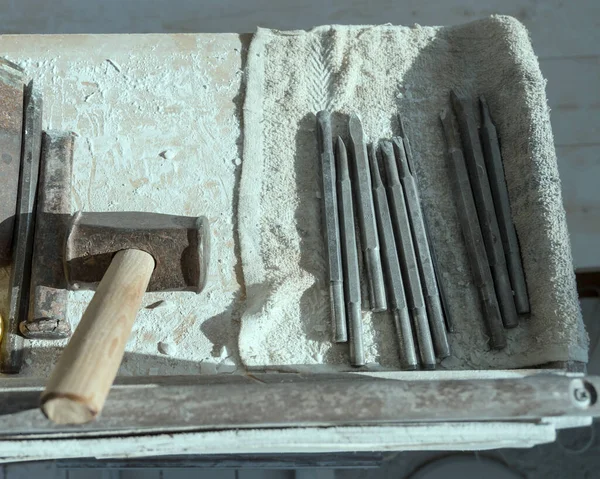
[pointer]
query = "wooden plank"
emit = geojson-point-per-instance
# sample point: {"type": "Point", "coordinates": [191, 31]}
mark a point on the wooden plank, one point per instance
{"type": "Point", "coordinates": [291, 400]}
{"type": "Point", "coordinates": [190, 473]}
{"type": "Point", "coordinates": [579, 168]}
{"type": "Point", "coordinates": [574, 98]}
{"type": "Point", "coordinates": [557, 28]}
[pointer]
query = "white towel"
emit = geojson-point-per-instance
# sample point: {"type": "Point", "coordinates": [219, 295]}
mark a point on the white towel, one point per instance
{"type": "Point", "coordinates": [377, 72]}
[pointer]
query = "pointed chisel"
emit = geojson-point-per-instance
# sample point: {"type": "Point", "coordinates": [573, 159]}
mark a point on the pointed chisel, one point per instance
{"type": "Point", "coordinates": [484, 203]}
{"type": "Point", "coordinates": [349, 256]}
{"type": "Point", "coordinates": [406, 251]}
{"type": "Point", "coordinates": [433, 304]}
{"type": "Point", "coordinates": [495, 168]}
{"type": "Point", "coordinates": [391, 266]}
{"type": "Point", "coordinates": [436, 264]}
{"type": "Point", "coordinates": [366, 216]}
{"type": "Point", "coordinates": [467, 215]}
{"type": "Point", "coordinates": [331, 227]}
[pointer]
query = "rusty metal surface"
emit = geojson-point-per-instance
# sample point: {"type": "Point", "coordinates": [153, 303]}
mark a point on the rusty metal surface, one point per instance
{"type": "Point", "coordinates": [179, 244]}
{"type": "Point", "coordinates": [47, 311]}
{"type": "Point", "coordinates": [11, 349]}
{"type": "Point", "coordinates": [11, 128]}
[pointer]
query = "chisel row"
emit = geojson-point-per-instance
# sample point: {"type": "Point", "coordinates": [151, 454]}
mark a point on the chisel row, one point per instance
{"type": "Point", "coordinates": [376, 186]}
{"type": "Point", "coordinates": [374, 227]}
{"type": "Point", "coordinates": [485, 218]}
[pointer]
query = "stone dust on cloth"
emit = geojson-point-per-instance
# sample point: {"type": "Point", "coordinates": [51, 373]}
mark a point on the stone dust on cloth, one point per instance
{"type": "Point", "coordinates": [377, 72]}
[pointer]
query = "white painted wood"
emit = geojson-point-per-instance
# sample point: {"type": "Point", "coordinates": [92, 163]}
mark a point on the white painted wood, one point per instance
{"type": "Point", "coordinates": [264, 474]}
{"type": "Point", "coordinates": [145, 473]}
{"type": "Point", "coordinates": [573, 91]}
{"type": "Point", "coordinates": [93, 474]}
{"type": "Point", "coordinates": [579, 168]}
{"type": "Point", "coordinates": [37, 470]}
{"type": "Point", "coordinates": [449, 436]}
{"type": "Point", "coordinates": [197, 473]}
{"type": "Point", "coordinates": [315, 474]}
{"type": "Point", "coordinates": [558, 27]}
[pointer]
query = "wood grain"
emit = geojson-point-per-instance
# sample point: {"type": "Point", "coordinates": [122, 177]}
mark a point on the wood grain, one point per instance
{"type": "Point", "coordinates": [80, 382]}
{"type": "Point", "coordinates": [195, 403]}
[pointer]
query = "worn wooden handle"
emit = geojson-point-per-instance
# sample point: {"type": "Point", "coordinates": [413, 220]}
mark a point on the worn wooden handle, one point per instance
{"type": "Point", "coordinates": [82, 378]}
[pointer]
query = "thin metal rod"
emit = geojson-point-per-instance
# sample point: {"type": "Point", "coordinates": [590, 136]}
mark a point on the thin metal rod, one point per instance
{"type": "Point", "coordinates": [467, 215]}
{"type": "Point", "coordinates": [408, 259]}
{"type": "Point", "coordinates": [450, 324]}
{"type": "Point", "coordinates": [435, 315]}
{"type": "Point", "coordinates": [366, 216]}
{"type": "Point", "coordinates": [391, 266]}
{"type": "Point", "coordinates": [331, 228]}
{"type": "Point", "coordinates": [484, 203]}
{"type": "Point", "coordinates": [495, 168]}
{"type": "Point", "coordinates": [349, 256]}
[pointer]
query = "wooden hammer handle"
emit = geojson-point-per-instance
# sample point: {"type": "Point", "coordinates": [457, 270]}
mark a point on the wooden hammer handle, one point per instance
{"type": "Point", "coordinates": [82, 378]}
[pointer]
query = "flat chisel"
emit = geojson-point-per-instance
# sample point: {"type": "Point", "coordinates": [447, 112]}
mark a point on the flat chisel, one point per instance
{"type": "Point", "coordinates": [436, 264]}
{"type": "Point", "coordinates": [435, 314]}
{"type": "Point", "coordinates": [12, 346]}
{"type": "Point", "coordinates": [467, 215]}
{"type": "Point", "coordinates": [349, 256]}
{"type": "Point", "coordinates": [408, 260]}
{"type": "Point", "coordinates": [366, 216]}
{"type": "Point", "coordinates": [495, 168]}
{"type": "Point", "coordinates": [331, 227]}
{"type": "Point", "coordinates": [480, 184]}
{"type": "Point", "coordinates": [391, 264]}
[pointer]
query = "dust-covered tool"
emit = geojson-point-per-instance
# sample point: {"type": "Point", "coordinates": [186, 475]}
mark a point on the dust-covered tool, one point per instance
{"type": "Point", "coordinates": [391, 265]}
{"type": "Point", "coordinates": [352, 293]}
{"type": "Point", "coordinates": [467, 215]}
{"type": "Point", "coordinates": [331, 227]}
{"type": "Point", "coordinates": [122, 254]}
{"type": "Point", "coordinates": [369, 239]}
{"type": "Point", "coordinates": [433, 304]}
{"type": "Point", "coordinates": [11, 348]}
{"type": "Point", "coordinates": [437, 267]}
{"type": "Point", "coordinates": [12, 82]}
{"type": "Point", "coordinates": [465, 114]}
{"type": "Point", "coordinates": [408, 260]}
{"type": "Point", "coordinates": [47, 311]}
{"type": "Point", "coordinates": [495, 169]}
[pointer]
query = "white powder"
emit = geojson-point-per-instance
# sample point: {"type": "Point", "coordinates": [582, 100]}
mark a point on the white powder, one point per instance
{"type": "Point", "coordinates": [157, 124]}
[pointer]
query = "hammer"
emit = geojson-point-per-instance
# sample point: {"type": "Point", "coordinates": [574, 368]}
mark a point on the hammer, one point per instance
{"type": "Point", "coordinates": [123, 254]}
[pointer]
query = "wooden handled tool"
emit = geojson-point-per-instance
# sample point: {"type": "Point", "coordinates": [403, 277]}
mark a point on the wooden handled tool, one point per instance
{"type": "Point", "coordinates": [171, 254]}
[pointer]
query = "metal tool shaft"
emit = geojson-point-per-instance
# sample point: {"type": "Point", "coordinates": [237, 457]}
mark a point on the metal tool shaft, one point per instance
{"type": "Point", "coordinates": [20, 276]}
{"type": "Point", "coordinates": [47, 312]}
{"type": "Point", "coordinates": [485, 208]}
{"type": "Point", "coordinates": [349, 256]}
{"type": "Point", "coordinates": [406, 252]}
{"type": "Point", "coordinates": [366, 216]}
{"type": "Point", "coordinates": [391, 265]}
{"type": "Point", "coordinates": [435, 315]}
{"type": "Point", "coordinates": [434, 258]}
{"type": "Point", "coordinates": [495, 169]}
{"type": "Point", "coordinates": [467, 215]}
{"type": "Point", "coordinates": [331, 227]}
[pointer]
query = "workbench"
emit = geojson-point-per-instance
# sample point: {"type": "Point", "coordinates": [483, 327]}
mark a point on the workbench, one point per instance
{"type": "Point", "coordinates": [157, 119]}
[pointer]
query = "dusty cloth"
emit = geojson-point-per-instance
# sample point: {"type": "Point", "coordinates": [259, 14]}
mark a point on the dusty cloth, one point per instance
{"type": "Point", "coordinates": [378, 71]}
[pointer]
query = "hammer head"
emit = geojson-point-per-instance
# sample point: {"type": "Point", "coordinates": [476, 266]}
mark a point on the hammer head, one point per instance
{"type": "Point", "coordinates": [179, 245]}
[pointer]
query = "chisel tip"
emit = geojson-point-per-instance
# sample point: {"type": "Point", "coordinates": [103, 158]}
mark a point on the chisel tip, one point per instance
{"type": "Point", "coordinates": [485, 112]}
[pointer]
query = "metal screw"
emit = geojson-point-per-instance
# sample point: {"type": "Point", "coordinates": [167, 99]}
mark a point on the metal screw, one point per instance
{"type": "Point", "coordinates": [581, 395]}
